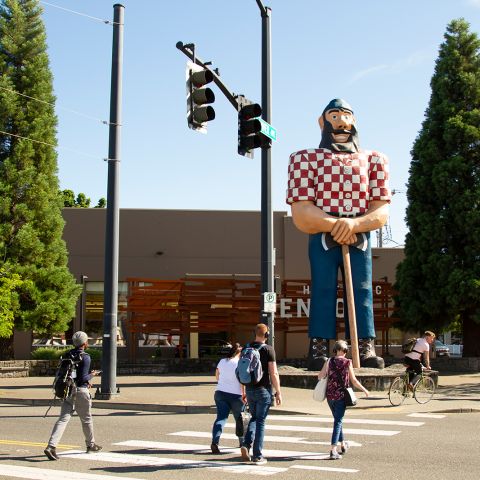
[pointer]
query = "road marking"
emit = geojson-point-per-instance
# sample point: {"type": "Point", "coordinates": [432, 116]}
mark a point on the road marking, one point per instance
{"type": "Point", "coordinates": [351, 431]}
{"type": "Point", "coordinates": [33, 444]}
{"type": "Point", "coordinates": [426, 415]}
{"type": "Point", "coordinates": [193, 447]}
{"type": "Point", "coordinates": [325, 469]}
{"type": "Point", "coordinates": [366, 421]}
{"type": "Point", "coordinates": [32, 473]}
{"type": "Point", "coordinates": [130, 459]}
{"type": "Point", "coordinates": [267, 438]}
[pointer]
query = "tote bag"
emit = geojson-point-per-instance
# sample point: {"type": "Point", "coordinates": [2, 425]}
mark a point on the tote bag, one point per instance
{"type": "Point", "coordinates": [320, 391]}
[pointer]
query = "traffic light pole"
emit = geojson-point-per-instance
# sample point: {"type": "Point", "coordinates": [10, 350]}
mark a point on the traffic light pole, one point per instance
{"type": "Point", "coordinates": [267, 260]}
{"type": "Point", "coordinates": [109, 342]}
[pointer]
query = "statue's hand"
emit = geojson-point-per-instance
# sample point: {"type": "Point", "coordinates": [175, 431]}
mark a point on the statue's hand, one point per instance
{"type": "Point", "coordinates": [350, 240]}
{"type": "Point", "coordinates": [342, 231]}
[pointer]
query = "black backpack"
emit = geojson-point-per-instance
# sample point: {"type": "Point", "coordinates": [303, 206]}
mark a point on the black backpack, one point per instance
{"type": "Point", "coordinates": [66, 374]}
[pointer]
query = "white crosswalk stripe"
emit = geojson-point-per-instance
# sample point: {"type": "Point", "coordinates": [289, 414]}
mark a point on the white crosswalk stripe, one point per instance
{"type": "Point", "coordinates": [325, 469]}
{"type": "Point", "coordinates": [350, 431]}
{"type": "Point", "coordinates": [426, 415]}
{"type": "Point", "coordinates": [131, 459]}
{"type": "Point", "coordinates": [267, 438]}
{"type": "Point", "coordinates": [193, 447]}
{"type": "Point", "coordinates": [33, 473]}
{"type": "Point", "coordinates": [362, 421]}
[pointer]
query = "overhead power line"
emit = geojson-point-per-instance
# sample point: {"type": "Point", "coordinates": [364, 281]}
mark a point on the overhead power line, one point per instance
{"type": "Point", "coordinates": [105, 122]}
{"type": "Point", "coordinates": [101, 20]}
{"type": "Point", "coordinates": [51, 145]}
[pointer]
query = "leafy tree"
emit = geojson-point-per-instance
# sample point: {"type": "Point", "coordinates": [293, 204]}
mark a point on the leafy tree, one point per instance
{"type": "Point", "coordinates": [82, 201]}
{"type": "Point", "coordinates": [438, 280]}
{"type": "Point", "coordinates": [31, 223]}
{"type": "Point", "coordinates": [102, 203]}
{"type": "Point", "coordinates": [9, 284]}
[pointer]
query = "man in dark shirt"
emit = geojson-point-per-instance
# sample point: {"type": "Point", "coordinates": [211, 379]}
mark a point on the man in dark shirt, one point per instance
{"type": "Point", "coordinates": [259, 398]}
{"type": "Point", "coordinates": [80, 400]}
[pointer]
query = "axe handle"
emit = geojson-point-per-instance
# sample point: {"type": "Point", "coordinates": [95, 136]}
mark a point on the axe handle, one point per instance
{"type": "Point", "coordinates": [352, 321]}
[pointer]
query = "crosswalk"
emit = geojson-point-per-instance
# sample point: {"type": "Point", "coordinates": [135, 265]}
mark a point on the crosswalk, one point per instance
{"type": "Point", "coordinates": [292, 443]}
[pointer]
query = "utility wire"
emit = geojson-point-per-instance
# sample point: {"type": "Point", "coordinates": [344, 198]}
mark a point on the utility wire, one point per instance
{"type": "Point", "coordinates": [101, 20]}
{"type": "Point", "coordinates": [51, 145]}
{"type": "Point", "coordinates": [105, 122]}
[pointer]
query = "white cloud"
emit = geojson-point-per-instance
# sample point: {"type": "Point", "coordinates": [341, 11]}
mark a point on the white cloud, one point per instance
{"type": "Point", "coordinates": [474, 3]}
{"type": "Point", "coordinates": [368, 71]}
{"type": "Point", "coordinates": [397, 67]}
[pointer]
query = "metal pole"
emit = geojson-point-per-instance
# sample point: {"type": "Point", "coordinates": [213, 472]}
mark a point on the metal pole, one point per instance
{"type": "Point", "coordinates": [83, 304]}
{"type": "Point", "coordinates": [109, 375]}
{"type": "Point", "coordinates": [267, 261]}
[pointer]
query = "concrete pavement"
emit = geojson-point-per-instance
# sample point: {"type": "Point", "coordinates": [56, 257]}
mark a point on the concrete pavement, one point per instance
{"type": "Point", "coordinates": [194, 394]}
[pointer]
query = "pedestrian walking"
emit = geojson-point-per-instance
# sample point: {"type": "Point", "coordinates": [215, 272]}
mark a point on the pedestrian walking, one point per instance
{"type": "Point", "coordinates": [229, 396]}
{"type": "Point", "coordinates": [340, 375]}
{"type": "Point", "coordinates": [80, 400]}
{"type": "Point", "coordinates": [260, 396]}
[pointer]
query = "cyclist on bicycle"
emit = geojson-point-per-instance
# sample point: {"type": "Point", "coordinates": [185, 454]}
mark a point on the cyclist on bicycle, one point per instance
{"type": "Point", "coordinates": [414, 359]}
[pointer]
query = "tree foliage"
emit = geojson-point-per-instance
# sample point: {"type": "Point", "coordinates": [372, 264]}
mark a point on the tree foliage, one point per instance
{"type": "Point", "coordinates": [80, 201]}
{"type": "Point", "coordinates": [10, 284]}
{"type": "Point", "coordinates": [438, 280]}
{"type": "Point", "coordinates": [31, 224]}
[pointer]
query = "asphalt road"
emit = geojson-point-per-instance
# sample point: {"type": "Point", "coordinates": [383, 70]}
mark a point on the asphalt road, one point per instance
{"type": "Point", "coordinates": [143, 445]}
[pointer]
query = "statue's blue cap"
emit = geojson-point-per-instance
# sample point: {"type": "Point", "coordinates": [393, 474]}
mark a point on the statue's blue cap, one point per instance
{"type": "Point", "coordinates": [338, 103]}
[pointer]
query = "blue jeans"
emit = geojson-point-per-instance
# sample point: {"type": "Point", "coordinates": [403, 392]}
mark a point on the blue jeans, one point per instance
{"type": "Point", "coordinates": [324, 265]}
{"type": "Point", "coordinates": [226, 403]}
{"type": "Point", "coordinates": [338, 411]}
{"type": "Point", "coordinates": [259, 401]}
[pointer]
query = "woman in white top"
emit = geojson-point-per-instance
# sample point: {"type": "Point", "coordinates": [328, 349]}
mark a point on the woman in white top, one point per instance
{"type": "Point", "coordinates": [414, 359]}
{"type": "Point", "coordinates": [229, 396]}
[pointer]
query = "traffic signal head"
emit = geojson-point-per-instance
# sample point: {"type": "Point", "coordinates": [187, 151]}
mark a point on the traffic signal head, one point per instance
{"type": "Point", "coordinates": [249, 127]}
{"type": "Point", "coordinates": [199, 112]}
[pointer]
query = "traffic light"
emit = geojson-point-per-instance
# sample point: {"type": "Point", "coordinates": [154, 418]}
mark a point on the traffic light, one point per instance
{"type": "Point", "coordinates": [199, 112]}
{"type": "Point", "coordinates": [249, 127]}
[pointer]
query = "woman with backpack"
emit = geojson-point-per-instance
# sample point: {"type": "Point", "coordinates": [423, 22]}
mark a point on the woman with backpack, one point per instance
{"type": "Point", "coordinates": [229, 396]}
{"type": "Point", "coordinates": [340, 374]}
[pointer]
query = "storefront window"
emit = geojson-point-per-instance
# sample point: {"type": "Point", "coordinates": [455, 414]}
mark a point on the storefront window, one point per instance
{"type": "Point", "coordinates": [94, 298]}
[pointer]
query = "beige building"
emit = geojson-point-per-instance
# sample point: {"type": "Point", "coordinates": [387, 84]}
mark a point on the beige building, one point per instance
{"type": "Point", "coordinates": [172, 244]}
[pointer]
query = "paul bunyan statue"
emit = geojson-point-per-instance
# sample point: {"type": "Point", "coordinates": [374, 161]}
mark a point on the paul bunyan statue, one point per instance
{"type": "Point", "coordinates": [339, 193]}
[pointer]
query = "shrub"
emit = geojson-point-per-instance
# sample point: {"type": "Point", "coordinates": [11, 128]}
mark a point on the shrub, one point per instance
{"type": "Point", "coordinates": [48, 353]}
{"type": "Point", "coordinates": [52, 353]}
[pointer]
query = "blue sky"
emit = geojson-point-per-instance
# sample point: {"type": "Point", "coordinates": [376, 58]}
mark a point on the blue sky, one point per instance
{"type": "Point", "coordinates": [378, 55]}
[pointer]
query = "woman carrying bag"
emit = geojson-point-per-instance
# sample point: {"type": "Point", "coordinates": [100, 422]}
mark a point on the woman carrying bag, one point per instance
{"type": "Point", "coordinates": [340, 374]}
{"type": "Point", "coordinates": [229, 396]}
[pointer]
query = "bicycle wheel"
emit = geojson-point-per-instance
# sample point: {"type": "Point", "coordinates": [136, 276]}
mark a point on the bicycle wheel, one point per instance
{"type": "Point", "coordinates": [424, 390]}
{"type": "Point", "coordinates": [396, 393]}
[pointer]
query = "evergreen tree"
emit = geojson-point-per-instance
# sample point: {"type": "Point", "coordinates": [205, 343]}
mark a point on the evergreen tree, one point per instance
{"type": "Point", "coordinates": [438, 280]}
{"type": "Point", "coordinates": [31, 224]}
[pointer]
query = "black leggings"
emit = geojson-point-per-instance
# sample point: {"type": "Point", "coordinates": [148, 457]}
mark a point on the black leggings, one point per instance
{"type": "Point", "coordinates": [415, 368]}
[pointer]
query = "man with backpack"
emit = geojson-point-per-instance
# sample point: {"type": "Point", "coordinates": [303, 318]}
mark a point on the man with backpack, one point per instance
{"type": "Point", "coordinates": [257, 370]}
{"type": "Point", "coordinates": [78, 399]}
{"type": "Point", "coordinates": [420, 347]}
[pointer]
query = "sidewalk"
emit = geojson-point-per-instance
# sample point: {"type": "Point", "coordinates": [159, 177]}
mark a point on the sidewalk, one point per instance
{"type": "Point", "coordinates": [194, 394]}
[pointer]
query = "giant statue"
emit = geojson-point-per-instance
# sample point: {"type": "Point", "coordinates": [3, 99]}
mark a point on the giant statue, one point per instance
{"type": "Point", "coordinates": [339, 193]}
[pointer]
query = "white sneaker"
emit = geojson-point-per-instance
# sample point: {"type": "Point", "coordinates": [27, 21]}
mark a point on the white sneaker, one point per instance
{"type": "Point", "coordinates": [344, 448]}
{"type": "Point", "coordinates": [335, 455]}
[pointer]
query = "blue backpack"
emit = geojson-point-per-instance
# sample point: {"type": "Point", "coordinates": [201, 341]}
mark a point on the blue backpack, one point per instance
{"type": "Point", "coordinates": [249, 370]}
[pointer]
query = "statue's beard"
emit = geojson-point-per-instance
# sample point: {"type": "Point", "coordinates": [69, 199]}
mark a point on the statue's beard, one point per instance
{"type": "Point", "coordinates": [351, 146]}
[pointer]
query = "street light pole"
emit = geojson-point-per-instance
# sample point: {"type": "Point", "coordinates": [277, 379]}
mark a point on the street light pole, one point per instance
{"type": "Point", "coordinates": [83, 304]}
{"type": "Point", "coordinates": [109, 342]}
{"type": "Point", "coordinates": [266, 252]}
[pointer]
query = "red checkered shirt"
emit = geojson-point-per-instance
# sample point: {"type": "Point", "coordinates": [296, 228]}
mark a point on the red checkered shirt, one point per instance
{"type": "Point", "coordinates": [340, 183]}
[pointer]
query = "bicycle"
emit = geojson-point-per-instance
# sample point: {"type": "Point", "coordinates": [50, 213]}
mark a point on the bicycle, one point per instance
{"type": "Point", "coordinates": [422, 391]}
